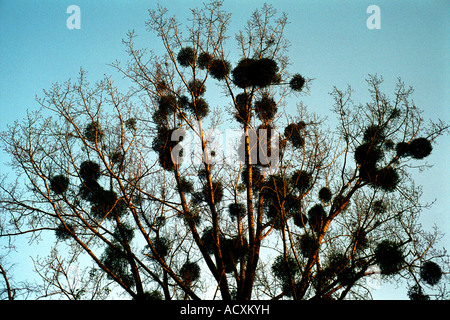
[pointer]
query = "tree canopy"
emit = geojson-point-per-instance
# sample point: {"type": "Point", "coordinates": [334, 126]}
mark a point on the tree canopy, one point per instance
{"type": "Point", "coordinates": [138, 184]}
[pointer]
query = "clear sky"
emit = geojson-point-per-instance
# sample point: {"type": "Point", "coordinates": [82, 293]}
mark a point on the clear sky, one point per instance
{"type": "Point", "coordinates": [330, 42]}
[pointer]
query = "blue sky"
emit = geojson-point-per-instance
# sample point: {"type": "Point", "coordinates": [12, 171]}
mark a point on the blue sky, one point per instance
{"type": "Point", "coordinates": [329, 42]}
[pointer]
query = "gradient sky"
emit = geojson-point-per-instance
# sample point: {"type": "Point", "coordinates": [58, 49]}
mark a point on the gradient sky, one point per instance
{"type": "Point", "coordinates": [329, 42]}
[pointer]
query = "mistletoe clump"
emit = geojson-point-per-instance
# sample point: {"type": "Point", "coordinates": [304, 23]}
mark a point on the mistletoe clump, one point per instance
{"type": "Point", "coordinates": [300, 219]}
{"type": "Point", "coordinates": [193, 216]}
{"type": "Point", "coordinates": [279, 201]}
{"type": "Point", "coordinates": [325, 194]}
{"type": "Point", "coordinates": [389, 257]}
{"type": "Point", "coordinates": [255, 73]}
{"type": "Point", "coordinates": [285, 269]}
{"type": "Point", "coordinates": [217, 190]}
{"type": "Point", "coordinates": [186, 57]}
{"type": "Point", "coordinates": [387, 179]}
{"type": "Point", "coordinates": [297, 82]}
{"type": "Point", "coordinates": [186, 185]}
{"type": "Point", "coordinates": [237, 210]}
{"type": "Point", "coordinates": [208, 239]}
{"type": "Point", "coordinates": [418, 148]}
{"type": "Point", "coordinates": [338, 265]}
{"type": "Point", "coordinates": [166, 105]}
{"type": "Point", "coordinates": [257, 177]}
{"type": "Point", "coordinates": [123, 233]}
{"type": "Point", "coordinates": [431, 273]}
{"type": "Point", "coordinates": [59, 184]}
{"type": "Point", "coordinates": [219, 69]}
{"type": "Point", "coordinates": [233, 249]}
{"type": "Point", "coordinates": [317, 217]}
{"type": "Point", "coordinates": [105, 203]}
{"type": "Point", "coordinates": [274, 192]}
{"type": "Point", "coordinates": [302, 180]}
{"type": "Point", "coordinates": [402, 149]}
{"type": "Point", "coordinates": [266, 108]}
{"type": "Point", "coordinates": [307, 244]}
{"type": "Point", "coordinates": [163, 144]}
{"type": "Point", "coordinates": [204, 60]}
{"type": "Point", "coordinates": [114, 259]}
{"type": "Point", "coordinates": [190, 272]}
{"type": "Point", "coordinates": [360, 239]}
{"type": "Point", "coordinates": [368, 155]}
{"type": "Point", "coordinates": [89, 171]}
{"type": "Point", "coordinates": [149, 296]}
{"type": "Point", "coordinates": [243, 111]}
{"type": "Point", "coordinates": [64, 232]}
{"type": "Point", "coordinates": [293, 133]}
{"type": "Point", "coordinates": [198, 107]}
{"type": "Point", "coordinates": [130, 124]}
{"type": "Point", "coordinates": [340, 202]}
{"type": "Point", "coordinates": [197, 88]}
{"type": "Point", "coordinates": [416, 293]}
{"type": "Point", "coordinates": [374, 134]}
{"type": "Point", "coordinates": [93, 132]}
{"type": "Point", "coordinates": [117, 157]}
{"type": "Point", "coordinates": [161, 246]}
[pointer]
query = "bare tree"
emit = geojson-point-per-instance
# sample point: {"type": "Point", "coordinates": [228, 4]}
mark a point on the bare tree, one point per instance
{"type": "Point", "coordinates": [142, 184]}
{"type": "Point", "coordinates": [10, 288]}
